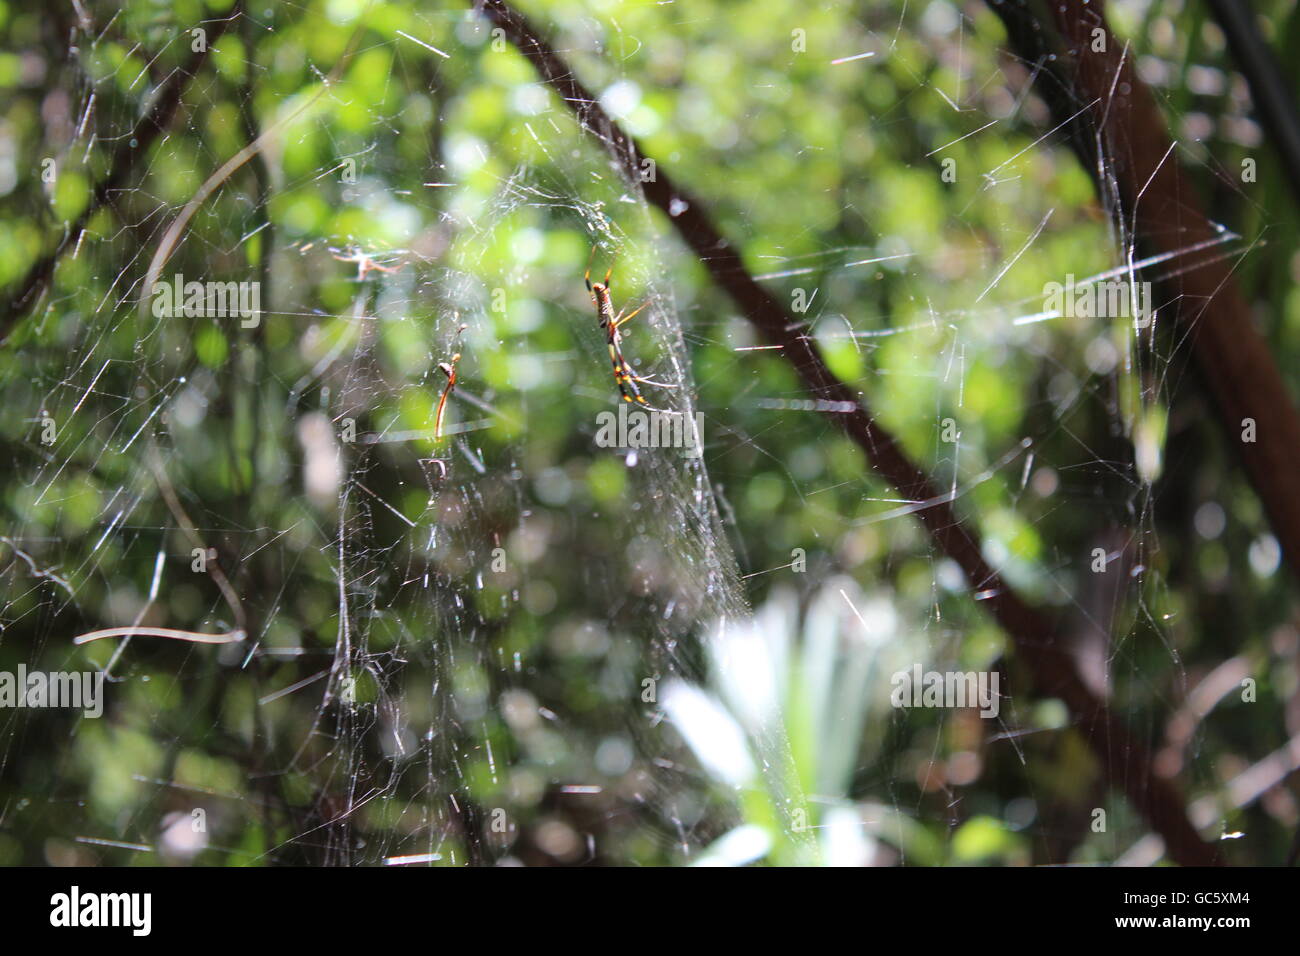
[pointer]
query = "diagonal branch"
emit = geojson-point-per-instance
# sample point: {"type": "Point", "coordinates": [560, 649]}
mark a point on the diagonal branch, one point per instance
{"type": "Point", "coordinates": [1123, 144]}
{"type": "Point", "coordinates": [131, 149]}
{"type": "Point", "coordinates": [1269, 91]}
{"type": "Point", "coordinates": [1125, 761]}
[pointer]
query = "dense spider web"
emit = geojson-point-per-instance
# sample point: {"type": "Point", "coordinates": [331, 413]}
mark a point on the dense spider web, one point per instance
{"type": "Point", "coordinates": [514, 645]}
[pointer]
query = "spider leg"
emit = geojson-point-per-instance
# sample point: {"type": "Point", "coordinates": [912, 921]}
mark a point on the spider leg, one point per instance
{"type": "Point", "coordinates": [622, 319]}
{"type": "Point", "coordinates": [626, 381]}
{"type": "Point", "coordinates": [636, 398]}
{"type": "Point", "coordinates": [646, 381]}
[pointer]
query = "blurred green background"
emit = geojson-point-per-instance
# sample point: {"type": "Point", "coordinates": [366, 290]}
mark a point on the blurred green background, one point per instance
{"type": "Point", "coordinates": [513, 645]}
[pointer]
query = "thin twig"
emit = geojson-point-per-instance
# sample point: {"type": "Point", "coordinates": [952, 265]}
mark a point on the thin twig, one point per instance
{"type": "Point", "coordinates": [194, 637]}
{"type": "Point", "coordinates": [130, 150]}
{"type": "Point", "coordinates": [187, 525]}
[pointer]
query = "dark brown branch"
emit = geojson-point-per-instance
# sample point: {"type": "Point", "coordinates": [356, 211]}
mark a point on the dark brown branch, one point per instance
{"type": "Point", "coordinates": [131, 149]}
{"type": "Point", "coordinates": [1125, 761]}
{"type": "Point", "coordinates": [1125, 134]}
{"type": "Point", "coordinates": [1269, 91]}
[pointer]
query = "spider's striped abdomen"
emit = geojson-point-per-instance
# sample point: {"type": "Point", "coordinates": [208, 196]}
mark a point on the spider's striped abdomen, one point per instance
{"type": "Point", "coordinates": [624, 377]}
{"type": "Point", "coordinates": [604, 307]}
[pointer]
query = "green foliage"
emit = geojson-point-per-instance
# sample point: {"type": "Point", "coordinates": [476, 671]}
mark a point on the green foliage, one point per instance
{"type": "Point", "coordinates": [397, 688]}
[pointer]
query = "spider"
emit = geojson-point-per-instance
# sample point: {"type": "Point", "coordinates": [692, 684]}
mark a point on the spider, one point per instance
{"type": "Point", "coordinates": [448, 369]}
{"type": "Point", "coordinates": [624, 377]}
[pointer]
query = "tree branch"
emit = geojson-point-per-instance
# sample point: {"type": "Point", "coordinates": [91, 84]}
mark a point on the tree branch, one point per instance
{"type": "Point", "coordinates": [1123, 145]}
{"type": "Point", "coordinates": [130, 150]}
{"type": "Point", "coordinates": [1268, 85]}
{"type": "Point", "coordinates": [1126, 763]}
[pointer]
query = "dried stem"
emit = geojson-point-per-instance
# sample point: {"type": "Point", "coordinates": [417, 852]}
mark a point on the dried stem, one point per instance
{"type": "Point", "coordinates": [194, 637]}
